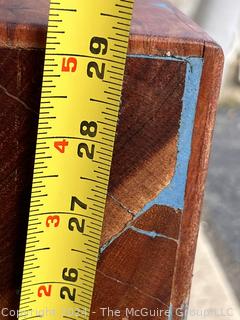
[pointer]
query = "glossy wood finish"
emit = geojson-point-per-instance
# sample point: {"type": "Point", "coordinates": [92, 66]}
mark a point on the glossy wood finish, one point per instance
{"type": "Point", "coordinates": [24, 24]}
{"type": "Point", "coordinates": [135, 269]}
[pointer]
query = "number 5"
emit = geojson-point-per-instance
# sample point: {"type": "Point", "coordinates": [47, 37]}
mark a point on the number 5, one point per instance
{"type": "Point", "coordinates": [66, 64]}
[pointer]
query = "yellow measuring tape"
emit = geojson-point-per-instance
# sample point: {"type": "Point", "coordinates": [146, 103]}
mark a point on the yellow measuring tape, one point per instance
{"type": "Point", "coordinates": [85, 57]}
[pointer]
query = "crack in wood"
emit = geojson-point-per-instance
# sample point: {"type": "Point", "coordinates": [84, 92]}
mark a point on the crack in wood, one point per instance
{"type": "Point", "coordinates": [129, 226]}
{"type": "Point", "coordinates": [17, 99]}
{"type": "Point", "coordinates": [121, 205]}
{"type": "Point", "coordinates": [152, 234]}
{"type": "Point", "coordinates": [134, 287]}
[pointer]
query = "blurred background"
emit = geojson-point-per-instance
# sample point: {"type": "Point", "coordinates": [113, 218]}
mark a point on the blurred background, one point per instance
{"type": "Point", "coordinates": [216, 279]}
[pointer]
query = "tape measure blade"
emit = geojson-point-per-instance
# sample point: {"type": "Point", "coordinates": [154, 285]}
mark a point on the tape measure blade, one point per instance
{"type": "Point", "coordinates": [81, 91]}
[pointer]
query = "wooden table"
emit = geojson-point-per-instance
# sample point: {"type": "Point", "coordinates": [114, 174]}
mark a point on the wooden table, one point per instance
{"type": "Point", "coordinates": [160, 160]}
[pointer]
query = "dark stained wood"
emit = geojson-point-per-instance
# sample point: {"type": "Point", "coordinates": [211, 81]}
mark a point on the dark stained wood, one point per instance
{"type": "Point", "coordinates": [147, 140]}
{"type": "Point", "coordinates": [136, 269]}
{"type": "Point", "coordinates": [20, 93]}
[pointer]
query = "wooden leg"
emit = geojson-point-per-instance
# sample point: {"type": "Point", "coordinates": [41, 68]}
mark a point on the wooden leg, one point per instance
{"type": "Point", "coordinates": [160, 158]}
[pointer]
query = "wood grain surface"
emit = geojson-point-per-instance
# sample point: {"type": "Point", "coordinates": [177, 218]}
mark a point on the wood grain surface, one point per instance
{"type": "Point", "coordinates": [24, 24]}
{"type": "Point", "coordinates": [146, 259]}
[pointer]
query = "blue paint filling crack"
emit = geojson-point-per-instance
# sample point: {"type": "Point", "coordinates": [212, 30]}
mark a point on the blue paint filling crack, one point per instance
{"type": "Point", "coordinates": [152, 234]}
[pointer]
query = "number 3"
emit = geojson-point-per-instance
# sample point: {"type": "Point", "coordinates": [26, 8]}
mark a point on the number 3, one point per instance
{"type": "Point", "coordinates": [55, 220]}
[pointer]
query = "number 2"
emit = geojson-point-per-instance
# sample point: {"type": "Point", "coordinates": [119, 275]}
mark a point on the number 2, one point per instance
{"type": "Point", "coordinates": [93, 66]}
{"type": "Point", "coordinates": [71, 295]}
{"type": "Point", "coordinates": [89, 153]}
{"type": "Point", "coordinates": [74, 222]}
{"type": "Point", "coordinates": [43, 290]}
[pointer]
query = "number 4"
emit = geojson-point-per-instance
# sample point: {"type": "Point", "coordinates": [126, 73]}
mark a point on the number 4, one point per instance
{"type": "Point", "coordinates": [61, 145]}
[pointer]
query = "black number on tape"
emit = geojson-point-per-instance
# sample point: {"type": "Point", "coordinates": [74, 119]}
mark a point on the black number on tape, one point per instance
{"type": "Point", "coordinates": [84, 147]}
{"type": "Point", "coordinates": [74, 222]}
{"type": "Point", "coordinates": [88, 128]}
{"type": "Point", "coordinates": [70, 274]}
{"type": "Point", "coordinates": [99, 45]}
{"type": "Point", "coordinates": [75, 201]}
{"type": "Point", "coordinates": [94, 67]}
{"type": "Point", "coordinates": [70, 295]}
